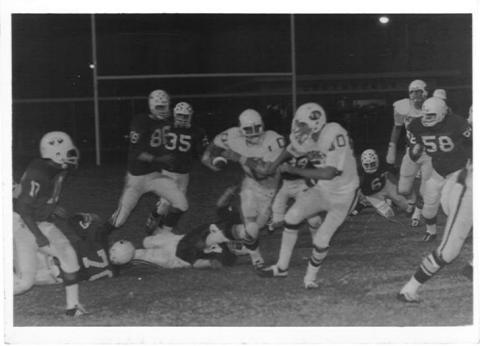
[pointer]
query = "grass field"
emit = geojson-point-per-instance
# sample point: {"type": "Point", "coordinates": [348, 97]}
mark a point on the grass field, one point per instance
{"type": "Point", "coordinates": [370, 259]}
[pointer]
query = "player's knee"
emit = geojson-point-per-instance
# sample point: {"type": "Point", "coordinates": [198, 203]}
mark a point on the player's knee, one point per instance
{"type": "Point", "coordinates": [68, 260]}
{"type": "Point", "coordinates": [315, 222]}
{"type": "Point", "coordinates": [181, 204]}
{"type": "Point", "coordinates": [446, 257]}
{"type": "Point", "coordinates": [429, 211]}
{"type": "Point", "coordinates": [68, 275]}
{"type": "Point", "coordinates": [294, 217]}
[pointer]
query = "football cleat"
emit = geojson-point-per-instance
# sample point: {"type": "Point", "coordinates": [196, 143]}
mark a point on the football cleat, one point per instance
{"type": "Point", "coordinates": [407, 297]}
{"type": "Point", "coordinates": [310, 284]}
{"type": "Point", "coordinates": [76, 311]}
{"type": "Point", "coordinates": [429, 237]}
{"type": "Point", "coordinates": [272, 272]}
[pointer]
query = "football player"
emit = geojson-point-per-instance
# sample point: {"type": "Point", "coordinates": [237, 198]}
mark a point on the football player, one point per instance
{"type": "Point", "coordinates": [182, 143]}
{"type": "Point", "coordinates": [377, 184]}
{"type": "Point", "coordinates": [204, 247]}
{"type": "Point", "coordinates": [88, 236]}
{"type": "Point", "coordinates": [148, 134]}
{"type": "Point", "coordinates": [36, 226]}
{"type": "Point", "coordinates": [404, 111]}
{"type": "Point", "coordinates": [447, 139]}
{"type": "Point", "coordinates": [456, 199]}
{"type": "Point", "coordinates": [327, 146]}
{"type": "Point", "coordinates": [246, 144]}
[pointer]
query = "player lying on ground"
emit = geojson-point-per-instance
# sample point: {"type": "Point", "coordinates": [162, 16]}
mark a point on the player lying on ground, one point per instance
{"type": "Point", "coordinates": [245, 144]}
{"type": "Point", "coordinates": [36, 204]}
{"type": "Point", "coordinates": [377, 184]}
{"type": "Point", "coordinates": [327, 146]}
{"type": "Point", "coordinates": [204, 247]}
{"type": "Point", "coordinates": [456, 199]}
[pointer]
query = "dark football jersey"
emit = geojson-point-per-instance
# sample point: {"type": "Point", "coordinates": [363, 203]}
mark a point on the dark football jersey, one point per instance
{"type": "Point", "coordinates": [184, 144]}
{"type": "Point", "coordinates": [89, 239]}
{"type": "Point", "coordinates": [40, 188]}
{"type": "Point", "coordinates": [146, 135]}
{"type": "Point", "coordinates": [371, 183]}
{"type": "Point", "coordinates": [449, 142]}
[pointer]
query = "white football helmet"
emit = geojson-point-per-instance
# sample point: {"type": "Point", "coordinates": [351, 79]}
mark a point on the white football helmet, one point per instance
{"type": "Point", "coordinates": [441, 94]}
{"type": "Point", "coordinates": [433, 111]}
{"type": "Point", "coordinates": [58, 147]}
{"type": "Point", "coordinates": [121, 252]}
{"type": "Point", "coordinates": [309, 119]}
{"type": "Point", "coordinates": [182, 114]}
{"type": "Point", "coordinates": [369, 159]}
{"type": "Point", "coordinates": [159, 104]}
{"type": "Point", "coordinates": [251, 125]}
{"type": "Point", "coordinates": [417, 90]}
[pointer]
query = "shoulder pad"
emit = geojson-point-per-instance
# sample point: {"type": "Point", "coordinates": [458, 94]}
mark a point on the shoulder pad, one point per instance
{"type": "Point", "coordinates": [402, 106]}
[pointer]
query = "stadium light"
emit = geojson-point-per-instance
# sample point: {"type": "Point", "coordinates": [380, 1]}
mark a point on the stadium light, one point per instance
{"type": "Point", "coordinates": [383, 20]}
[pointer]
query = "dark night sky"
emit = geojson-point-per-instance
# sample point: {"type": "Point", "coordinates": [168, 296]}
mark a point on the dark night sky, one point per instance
{"type": "Point", "coordinates": [52, 53]}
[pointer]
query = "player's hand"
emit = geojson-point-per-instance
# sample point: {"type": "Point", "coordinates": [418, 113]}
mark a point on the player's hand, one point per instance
{"type": "Point", "coordinates": [415, 151]}
{"type": "Point", "coordinates": [166, 159]}
{"type": "Point", "coordinates": [231, 155]}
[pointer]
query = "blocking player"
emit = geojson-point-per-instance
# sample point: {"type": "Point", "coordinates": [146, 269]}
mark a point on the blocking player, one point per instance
{"type": "Point", "coordinates": [36, 226]}
{"type": "Point", "coordinates": [327, 146]}
{"type": "Point", "coordinates": [148, 134]}
{"type": "Point", "coordinates": [447, 139]}
{"type": "Point", "coordinates": [247, 143]}
{"type": "Point", "coordinates": [88, 236]}
{"type": "Point", "coordinates": [456, 199]}
{"type": "Point", "coordinates": [404, 111]}
{"type": "Point", "coordinates": [182, 143]}
{"type": "Point", "coordinates": [377, 184]}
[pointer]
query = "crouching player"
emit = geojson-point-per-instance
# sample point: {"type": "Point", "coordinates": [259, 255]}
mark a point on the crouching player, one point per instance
{"type": "Point", "coordinates": [456, 199]}
{"type": "Point", "coordinates": [247, 144]}
{"type": "Point", "coordinates": [35, 202]}
{"type": "Point", "coordinates": [377, 184]}
{"type": "Point", "coordinates": [87, 235]}
{"type": "Point", "coordinates": [203, 247]}
{"type": "Point", "coordinates": [327, 146]}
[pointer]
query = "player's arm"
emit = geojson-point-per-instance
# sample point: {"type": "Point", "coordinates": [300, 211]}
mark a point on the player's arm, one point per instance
{"type": "Point", "coordinates": [24, 207]}
{"type": "Point", "coordinates": [468, 139]}
{"type": "Point", "coordinates": [416, 148]}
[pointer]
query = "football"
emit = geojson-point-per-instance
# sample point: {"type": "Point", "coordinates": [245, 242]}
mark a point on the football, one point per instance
{"type": "Point", "coordinates": [219, 162]}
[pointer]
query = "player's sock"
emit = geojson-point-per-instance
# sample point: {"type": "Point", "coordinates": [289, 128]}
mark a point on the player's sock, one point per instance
{"type": "Point", "coordinates": [71, 292]}
{"type": "Point", "coordinates": [171, 219]}
{"type": "Point", "coordinates": [430, 265]}
{"type": "Point", "coordinates": [431, 224]}
{"type": "Point", "coordinates": [289, 238]}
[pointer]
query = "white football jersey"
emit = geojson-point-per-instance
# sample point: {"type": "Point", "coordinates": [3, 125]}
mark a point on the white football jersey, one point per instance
{"type": "Point", "coordinates": [332, 149]}
{"type": "Point", "coordinates": [268, 149]}
{"type": "Point", "coordinates": [404, 111]}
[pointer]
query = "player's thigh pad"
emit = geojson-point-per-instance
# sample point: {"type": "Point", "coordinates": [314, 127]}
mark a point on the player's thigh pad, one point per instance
{"type": "Point", "coordinates": [166, 187]}
{"type": "Point", "coordinates": [408, 171]}
{"type": "Point", "coordinates": [432, 195]}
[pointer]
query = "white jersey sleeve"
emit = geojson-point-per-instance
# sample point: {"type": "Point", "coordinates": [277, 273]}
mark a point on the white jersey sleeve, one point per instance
{"type": "Point", "coordinates": [401, 108]}
{"type": "Point", "coordinates": [274, 145]}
